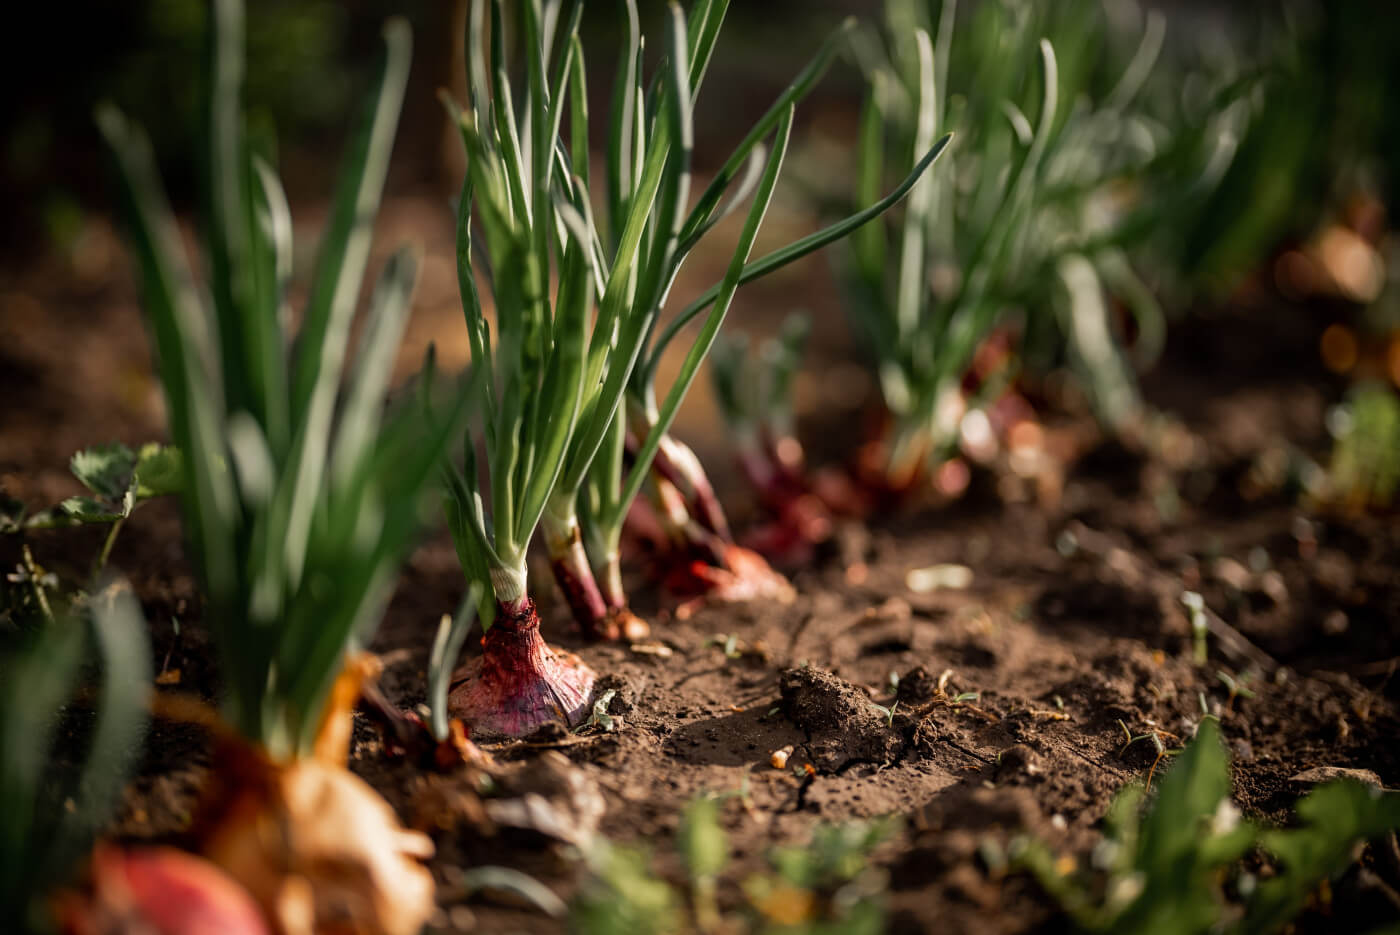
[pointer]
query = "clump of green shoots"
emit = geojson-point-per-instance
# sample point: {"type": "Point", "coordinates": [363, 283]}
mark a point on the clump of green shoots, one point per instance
{"type": "Point", "coordinates": [296, 518]}
{"type": "Point", "coordinates": [1011, 256]}
{"type": "Point", "coordinates": [1161, 868]}
{"type": "Point", "coordinates": [638, 450]}
{"type": "Point", "coordinates": [550, 387]}
{"type": "Point", "coordinates": [299, 501]}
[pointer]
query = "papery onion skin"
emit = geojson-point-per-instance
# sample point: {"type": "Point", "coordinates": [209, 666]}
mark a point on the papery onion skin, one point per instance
{"type": "Point", "coordinates": [315, 845]}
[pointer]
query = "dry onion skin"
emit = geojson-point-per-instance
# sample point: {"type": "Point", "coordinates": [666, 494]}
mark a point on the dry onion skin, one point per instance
{"type": "Point", "coordinates": [315, 846]}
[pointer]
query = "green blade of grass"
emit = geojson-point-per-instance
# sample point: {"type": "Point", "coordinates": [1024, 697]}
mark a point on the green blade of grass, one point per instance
{"type": "Point", "coordinates": [870, 242]}
{"type": "Point", "coordinates": [229, 238]}
{"type": "Point", "coordinates": [35, 686]}
{"type": "Point", "coordinates": [276, 219]}
{"type": "Point", "coordinates": [560, 408]}
{"type": "Point", "coordinates": [479, 88]}
{"type": "Point", "coordinates": [345, 247]}
{"type": "Point", "coordinates": [706, 20]}
{"type": "Point", "coordinates": [660, 267]}
{"type": "Point", "coordinates": [753, 171]}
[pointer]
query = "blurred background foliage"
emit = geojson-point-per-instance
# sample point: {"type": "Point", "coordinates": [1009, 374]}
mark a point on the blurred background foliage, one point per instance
{"type": "Point", "coordinates": [1327, 105]}
{"type": "Point", "coordinates": [306, 59]}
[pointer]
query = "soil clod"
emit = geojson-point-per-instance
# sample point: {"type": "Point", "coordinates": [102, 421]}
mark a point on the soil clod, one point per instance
{"type": "Point", "coordinates": [842, 724]}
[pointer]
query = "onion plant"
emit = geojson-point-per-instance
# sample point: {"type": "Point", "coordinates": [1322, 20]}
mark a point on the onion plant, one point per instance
{"type": "Point", "coordinates": [1028, 226]}
{"type": "Point", "coordinates": [299, 501]}
{"type": "Point", "coordinates": [550, 387]}
{"type": "Point", "coordinates": [637, 448]}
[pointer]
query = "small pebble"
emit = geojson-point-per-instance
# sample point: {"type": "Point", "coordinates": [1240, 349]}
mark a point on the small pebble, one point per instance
{"type": "Point", "coordinates": [462, 918]}
{"type": "Point", "coordinates": [939, 577]}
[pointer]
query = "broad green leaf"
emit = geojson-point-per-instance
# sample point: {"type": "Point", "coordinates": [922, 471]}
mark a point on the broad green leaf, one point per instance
{"type": "Point", "coordinates": [159, 471]}
{"type": "Point", "coordinates": [1333, 818]}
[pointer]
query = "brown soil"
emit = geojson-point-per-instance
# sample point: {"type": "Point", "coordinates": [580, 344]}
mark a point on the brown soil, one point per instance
{"type": "Point", "coordinates": [1070, 633]}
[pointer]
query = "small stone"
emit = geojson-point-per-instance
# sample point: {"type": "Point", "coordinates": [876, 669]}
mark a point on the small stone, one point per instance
{"type": "Point", "coordinates": [1321, 774]}
{"type": "Point", "coordinates": [1272, 585]}
{"type": "Point", "coordinates": [1231, 573]}
{"type": "Point", "coordinates": [891, 610]}
{"type": "Point", "coordinates": [949, 577]}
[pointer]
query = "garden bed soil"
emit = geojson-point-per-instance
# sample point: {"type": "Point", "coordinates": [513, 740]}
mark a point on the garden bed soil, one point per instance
{"type": "Point", "coordinates": [1070, 636]}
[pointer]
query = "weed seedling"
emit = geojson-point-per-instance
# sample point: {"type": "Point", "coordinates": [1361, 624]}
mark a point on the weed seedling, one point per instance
{"type": "Point", "coordinates": [1365, 464]}
{"type": "Point", "coordinates": [118, 480]}
{"type": "Point", "coordinates": [1163, 868]}
{"type": "Point", "coordinates": [36, 581]}
{"type": "Point", "coordinates": [1236, 686]}
{"type": "Point", "coordinates": [886, 713]}
{"type": "Point", "coordinates": [827, 885]}
{"type": "Point", "coordinates": [600, 718]}
{"type": "Point", "coordinates": [728, 643]}
{"type": "Point", "coordinates": [1155, 735]}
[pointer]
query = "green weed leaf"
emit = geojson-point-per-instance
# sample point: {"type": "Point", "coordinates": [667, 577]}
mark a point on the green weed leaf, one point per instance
{"type": "Point", "coordinates": [159, 471]}
{"type": "Point", "coordinates": [1334, 819]}
{"type": "Point", "coordinates": [106, 470]}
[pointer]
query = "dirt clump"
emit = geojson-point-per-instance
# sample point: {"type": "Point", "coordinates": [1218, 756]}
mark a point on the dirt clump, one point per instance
{"type": "Point", "coordinates": [843, 725]}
